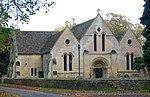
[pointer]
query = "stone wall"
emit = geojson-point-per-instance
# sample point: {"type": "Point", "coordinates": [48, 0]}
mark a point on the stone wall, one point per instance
{"type": "Point", "coordinates": [87, 84]}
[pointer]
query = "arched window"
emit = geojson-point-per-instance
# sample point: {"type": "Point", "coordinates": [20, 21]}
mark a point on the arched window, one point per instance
{"type": "Point", "coordinates": [18, 73]}
{"type": "Point", "coordinates": [31, 71]}
{"type": "Point", "coordinates": [65, 62]}
{"type": "Point", "coordinates": [70, 62]}
{"type": "Point", "coordinates": [132, 58]}
{"type": "Point", "coordinates": [103, 42]}
{"type": "Point", "coordinates": [35, 71]}
{"type": "Point", "coordinates": [95, 42]}
{"type": "Point", "coordinates": [17, 63]}
{"type": "Point", "coordinates": [127, 61]}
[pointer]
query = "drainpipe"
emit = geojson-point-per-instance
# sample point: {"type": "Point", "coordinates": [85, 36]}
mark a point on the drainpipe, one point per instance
{"type": "Point", "coordinates": [79, 58]}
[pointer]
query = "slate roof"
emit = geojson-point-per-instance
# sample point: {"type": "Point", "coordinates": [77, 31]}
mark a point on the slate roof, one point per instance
{"type": "Point", "coordinates": [31, 42]}
{"type": "Point", "coordinates": [80, 29]}
{"type": "Point", "coordinates": [119, 35]}
{"type": "Point", "coordinates": [50, 43]}
{"type": "Point", "coordinates": [41, 42]}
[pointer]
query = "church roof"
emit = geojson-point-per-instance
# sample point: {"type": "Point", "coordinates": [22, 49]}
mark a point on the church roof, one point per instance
{"type": "Point", "coordinates": [31, 42]}
{"type": "Point", "coordinates": [80, 29]}
{"type": "Point", "coordinates": [50, 43]}
{"type": "Point", "coordinates": [119, 35]}
{"type": "Point", "coordinates": [40, 42]}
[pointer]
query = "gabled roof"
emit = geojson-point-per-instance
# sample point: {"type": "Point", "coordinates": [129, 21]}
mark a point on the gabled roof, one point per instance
{"type": "Point", "coordinates": [80, 29]}
{"type": "Point", "coordinates": [31, 42]}
{"type": "Point", "coordinates": [41, 42]}
{"type": "Point", "coordinates": [119, 35]}
{"type": "Point", "coordinates": [50, 43]}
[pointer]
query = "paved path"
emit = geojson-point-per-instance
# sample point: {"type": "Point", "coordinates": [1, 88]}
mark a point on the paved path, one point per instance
{"type": "Point", "coordinates": [28, 93]}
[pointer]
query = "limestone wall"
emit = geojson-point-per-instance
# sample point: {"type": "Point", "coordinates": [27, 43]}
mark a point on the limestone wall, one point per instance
{"type": "Point", "coordinates": [57, 60]}
{"type": "Point", "coordinates": [101, 84]}
{"type": "Point", "coordinates": [26, 63]}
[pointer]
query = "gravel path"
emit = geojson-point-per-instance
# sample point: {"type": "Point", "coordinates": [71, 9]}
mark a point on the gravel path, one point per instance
{"type": "Point", "coordinates": [28, 93]}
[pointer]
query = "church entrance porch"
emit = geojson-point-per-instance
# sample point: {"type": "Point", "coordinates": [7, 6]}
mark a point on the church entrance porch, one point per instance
{"type": "Point", "coordinates": [99, 68]}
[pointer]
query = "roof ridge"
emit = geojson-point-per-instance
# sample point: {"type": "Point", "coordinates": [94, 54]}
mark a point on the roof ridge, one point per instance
{"type": "Point", "coordinates": [42, 31]}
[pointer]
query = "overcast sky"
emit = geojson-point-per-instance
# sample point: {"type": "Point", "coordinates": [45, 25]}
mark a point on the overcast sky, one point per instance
{"type": "Point", "coordinates": [82, 10]}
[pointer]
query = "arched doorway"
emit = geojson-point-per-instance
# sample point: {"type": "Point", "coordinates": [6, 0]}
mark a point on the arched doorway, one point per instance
{"type": "Point", "coordinates": [99, 68]}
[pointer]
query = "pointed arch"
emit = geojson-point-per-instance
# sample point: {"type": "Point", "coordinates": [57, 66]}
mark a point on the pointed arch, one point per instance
{"type": "Point", "coordinates": [113, 52]}
{"type": "Point", "coordinates": [103, 41]}
{"type": "Point", "coordinates": [70, 61]}
{"type": "Point", "coordinates": [132, 59]}
{"type": "Point", "coordinates": [35, 71]}
{"type": "Point", "coordinates": [95, 42]}
{"type": "Point", "coordinates": [127, 61]}
{"type": "Point", "coordinates": [65, 62]}
{"type": "Point", "coordinates": [31, 71]}
{"type": "Point", "coordinates": [17, 63]}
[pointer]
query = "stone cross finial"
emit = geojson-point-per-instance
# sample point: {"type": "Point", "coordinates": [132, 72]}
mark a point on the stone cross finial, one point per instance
{"type": "Point", "coordinates": [67, 23]}
{"type": "Point", "coordinates": [73, 19]}
{"type": "Point", "coordinates": [98, 10]}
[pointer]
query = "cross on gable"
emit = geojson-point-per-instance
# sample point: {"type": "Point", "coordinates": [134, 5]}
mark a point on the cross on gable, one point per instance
{"type": "Point", "coordinates": [67, 23]}
{"type": "Point", "coordinates": [73, 19]}
{"type": "Point", "coordinates": [98, 10]}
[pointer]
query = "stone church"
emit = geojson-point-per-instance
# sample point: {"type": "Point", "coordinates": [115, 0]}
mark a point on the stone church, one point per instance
{"type": "Point", "coordinates": [87, 50]}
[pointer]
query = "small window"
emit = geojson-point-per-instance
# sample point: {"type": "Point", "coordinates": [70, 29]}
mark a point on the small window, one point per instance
{"type": "Point", "coordinates": [31, 71]}
{"type": "Point", "coordinates": [98, 29]}
{"type": "Point", "coordinates": [18, 73]}
{"type": "Point", "coordinates": [103, 42]}
{"type": "Point", "coordinates": [35, 71]}
{"type": "Point", "coordinates": [26, 64]}
{"type": "Point", "coordinates": [65, 62]}
{"type": "Point", "coordinates": [67, 41]}
{"type": "Point", "coordinates": [127, 61]}
{"type": "Point", "coordinates": [132, 59]}
{"type": "Point", "coordinates": [70, 62]}
{"type": "Point", "coordinates": [55, 72]}
{"type": "Point", "coordinates": [95, 42]}
{"type": "Point", "coordinates": [129, 42]}
{"type": "Point", "coordinates": [17, 63]}
{"type": "Point", "coordinates": [54, 62]}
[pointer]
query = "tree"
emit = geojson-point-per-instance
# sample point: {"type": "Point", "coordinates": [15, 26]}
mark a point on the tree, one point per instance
{"type": "Point", "coordinates": [144, 61]}
{"type": "Point", "coordinates": [138, 29]}
{"type": "Point", "coordinates": [4, 60]}
{"type": "Point", "coordinates": [19, 10]}
{"type": "Point", "coordinates": [15, 10]}
{"type": "Point", "coordinates": [119, 23]}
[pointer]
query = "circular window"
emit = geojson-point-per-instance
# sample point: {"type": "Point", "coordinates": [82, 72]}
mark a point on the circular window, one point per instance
{"type": "Point", "coordinates": [98, 29]}
{"type": "Point", "coordinates": [67, 41]}
{"type": "Point", "coordinates": [129, 42]}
